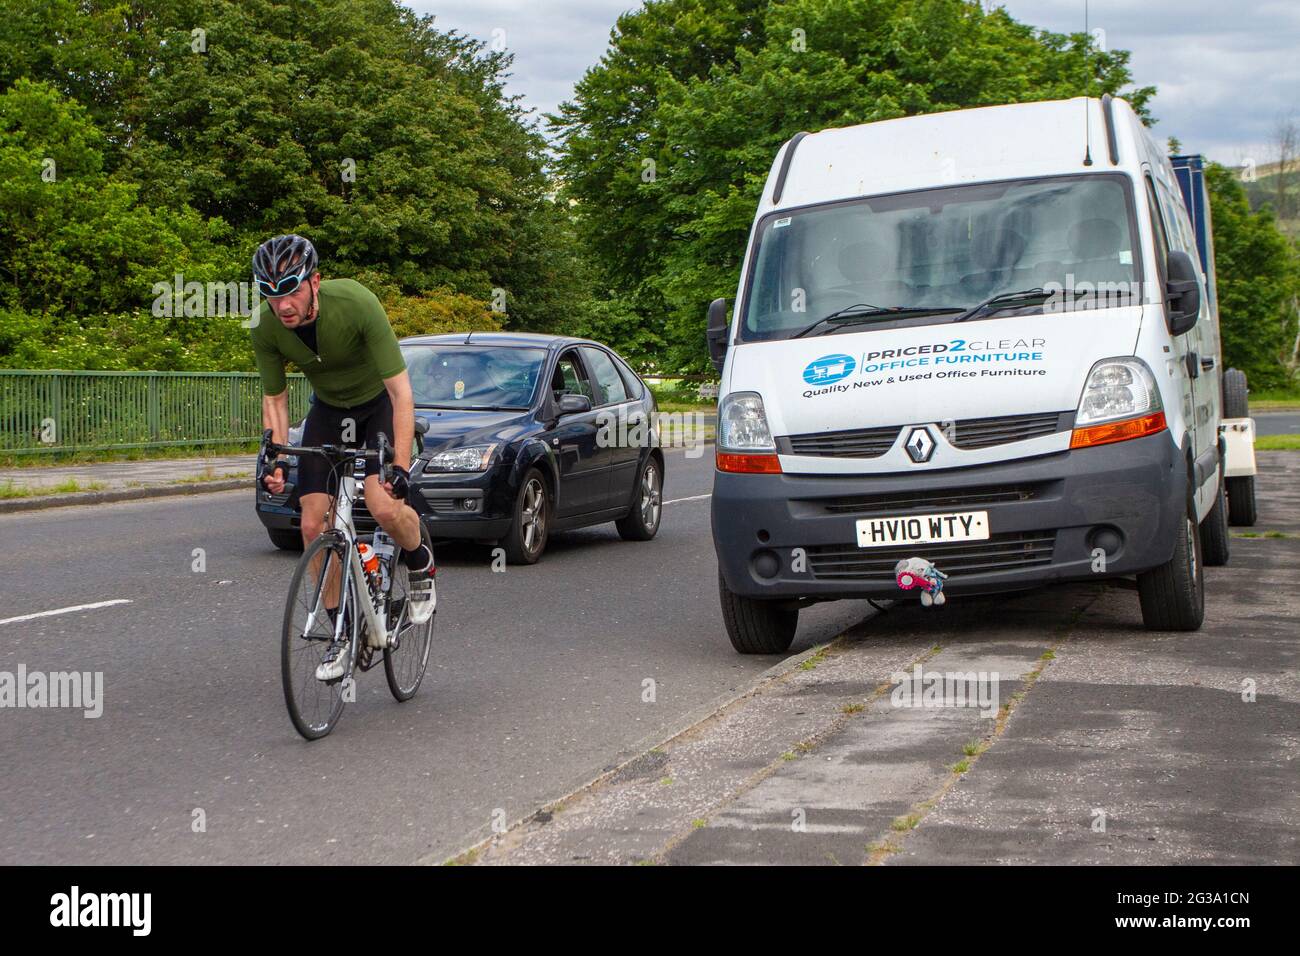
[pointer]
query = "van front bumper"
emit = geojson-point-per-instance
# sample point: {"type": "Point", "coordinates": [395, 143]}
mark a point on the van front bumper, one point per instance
{"type": "Point", "coordinates": [1104, 511]}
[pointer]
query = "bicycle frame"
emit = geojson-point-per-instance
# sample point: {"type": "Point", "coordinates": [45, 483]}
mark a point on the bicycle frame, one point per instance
{"type": "Point", "coordinates": [343, 527]}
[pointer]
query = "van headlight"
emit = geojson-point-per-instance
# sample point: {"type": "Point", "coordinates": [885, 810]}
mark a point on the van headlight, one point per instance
{"type": "Point", "coordinates": [1120, 401]}
{"type": "Point", "coordinates": [1117, 388]}
{"type": "Point", "coordinates": [465, 459]}
{"type": "Point", "coordinates": [742, 423]}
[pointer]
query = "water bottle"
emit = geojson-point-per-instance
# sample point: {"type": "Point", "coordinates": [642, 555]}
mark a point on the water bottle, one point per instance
{"type": "Point", "coordinates": [384, 548]}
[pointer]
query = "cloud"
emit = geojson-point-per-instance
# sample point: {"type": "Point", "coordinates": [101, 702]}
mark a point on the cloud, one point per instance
{"type": "Point", "coordinates": [1224, 71]}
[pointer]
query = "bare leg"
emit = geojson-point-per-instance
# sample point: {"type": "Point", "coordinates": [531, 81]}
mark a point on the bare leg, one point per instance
{"type": "Point", "coordinates": [315, 508]}
{"type": "Point", "coordinates": [396, 517]}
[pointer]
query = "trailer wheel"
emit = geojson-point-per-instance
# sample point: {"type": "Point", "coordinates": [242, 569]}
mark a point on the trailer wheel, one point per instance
{"type": "Point", "coordinates": [756, 627]}
{"type": "Point", "coordinates": [1241, 489]}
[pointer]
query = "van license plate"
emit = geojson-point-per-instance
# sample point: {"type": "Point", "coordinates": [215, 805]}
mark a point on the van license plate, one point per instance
{"type": "Point", "coordinates": [923, 529]}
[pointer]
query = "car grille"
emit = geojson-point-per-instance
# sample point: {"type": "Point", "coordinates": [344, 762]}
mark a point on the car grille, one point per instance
{"type": "Point", "coordinates": [953, 498]}
{"type": "Point", "coordinates": [1001, 552]}
{"type": "Point", "coordinates": [965, 434]}
{"type": "Point", "coordinates": [986, 432]}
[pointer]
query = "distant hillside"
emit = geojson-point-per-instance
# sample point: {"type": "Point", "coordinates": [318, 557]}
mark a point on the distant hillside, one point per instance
{"type": "Point", "coordinates": [1264, 191]}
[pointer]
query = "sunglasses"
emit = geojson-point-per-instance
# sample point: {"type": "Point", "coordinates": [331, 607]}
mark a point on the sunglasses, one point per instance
{"type": "Point", "coordinates": [286, 286]}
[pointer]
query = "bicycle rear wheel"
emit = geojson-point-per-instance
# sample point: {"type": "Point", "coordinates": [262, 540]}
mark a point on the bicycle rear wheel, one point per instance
{"type": "Point", "coordinates": [404, 666]}
{"type": "Point", "coordinates": [315, 706]}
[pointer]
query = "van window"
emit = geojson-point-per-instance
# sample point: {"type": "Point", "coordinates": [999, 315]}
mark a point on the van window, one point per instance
{"type": "Point", "coordinates": [944, 248]}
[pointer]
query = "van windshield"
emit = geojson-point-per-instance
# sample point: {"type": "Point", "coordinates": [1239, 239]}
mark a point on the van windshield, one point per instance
{"type": "Point", "coordinates": [946, 249]}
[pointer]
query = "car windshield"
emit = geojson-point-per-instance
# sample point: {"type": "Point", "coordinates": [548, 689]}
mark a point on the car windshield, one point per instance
{"type": "Point", "coordinates": [473, 376]}
{"type": "Point", "coordinates": [944, 249]}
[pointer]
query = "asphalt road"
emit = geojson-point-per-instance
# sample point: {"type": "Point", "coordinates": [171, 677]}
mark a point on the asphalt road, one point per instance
{"type": "Point", "coordinates": [1277, 423]}
{"type": "Point", "coordinates": [535, 685]}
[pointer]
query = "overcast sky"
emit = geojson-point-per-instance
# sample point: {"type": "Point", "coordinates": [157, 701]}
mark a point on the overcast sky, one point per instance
{"type": "Point", "coordinates": [1225, 69]}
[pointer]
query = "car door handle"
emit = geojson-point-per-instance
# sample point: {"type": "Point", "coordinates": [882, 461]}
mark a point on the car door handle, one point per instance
{"type": "Point", "coordinates": [1207, 363]}
{"type": "Point", "coordinates": [1193, 365]}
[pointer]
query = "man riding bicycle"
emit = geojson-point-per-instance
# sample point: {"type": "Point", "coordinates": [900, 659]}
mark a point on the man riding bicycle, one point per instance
{"type": "Point", "coordinates": [338, 334]}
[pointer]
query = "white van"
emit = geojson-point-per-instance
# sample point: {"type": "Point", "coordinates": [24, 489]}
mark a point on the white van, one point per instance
{"type": "Point", "coordinates": [980, 339]}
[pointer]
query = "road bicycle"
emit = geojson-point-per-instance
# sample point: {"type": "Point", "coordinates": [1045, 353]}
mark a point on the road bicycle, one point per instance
{"type": "Point", "coordinates": [381, 600]}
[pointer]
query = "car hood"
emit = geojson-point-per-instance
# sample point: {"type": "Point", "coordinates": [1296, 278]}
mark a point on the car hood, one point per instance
{"type": "Point", "coordinates": [449, 428]}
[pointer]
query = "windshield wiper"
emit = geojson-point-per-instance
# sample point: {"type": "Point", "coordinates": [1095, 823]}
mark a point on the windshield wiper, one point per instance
{"type": "Point", "coordinates": [850, 315]}
{"type": "Point", "coordinates": [1005, 299]}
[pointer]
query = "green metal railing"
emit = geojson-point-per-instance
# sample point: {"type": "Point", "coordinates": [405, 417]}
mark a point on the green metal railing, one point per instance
{"type": "Point", "coordinates": [57, 410]}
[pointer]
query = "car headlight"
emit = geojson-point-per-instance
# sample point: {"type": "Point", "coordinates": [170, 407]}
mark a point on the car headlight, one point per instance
{"type": "Point", "coordinates": [742, 423]}
{"type": "Point", "coordinates": [464, 458]}
{"type": "Point", "coordinates": [1117, 388]}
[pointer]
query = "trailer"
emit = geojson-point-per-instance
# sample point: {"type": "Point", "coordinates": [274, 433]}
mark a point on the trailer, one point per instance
{"type": "Point", "coordinates": [1237, 428]}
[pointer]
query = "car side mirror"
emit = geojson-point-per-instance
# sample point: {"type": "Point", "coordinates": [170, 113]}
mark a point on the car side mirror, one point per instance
{"type": "Point", "coordinates": [574, 404]}
{"type": "Point", "coordinates": [421, 426]}
{"type": "Point", "coordinates": [1182, 293]}
{"type": "Point", "coordinates": [716, 332]}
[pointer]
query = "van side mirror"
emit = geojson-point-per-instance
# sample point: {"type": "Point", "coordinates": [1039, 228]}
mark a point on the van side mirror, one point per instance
{"type": "Point", "coordinates": [716, 332]}
{"type": "Point", "coordinates": [1182, 293]}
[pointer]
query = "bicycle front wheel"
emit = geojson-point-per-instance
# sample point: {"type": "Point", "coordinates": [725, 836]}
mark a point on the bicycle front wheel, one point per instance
{"type": "Point", "coordinates": [315, 706]}
{"type": "Point", "coordinates": [404, 665]}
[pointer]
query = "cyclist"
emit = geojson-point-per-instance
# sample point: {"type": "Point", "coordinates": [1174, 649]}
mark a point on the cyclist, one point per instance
{"type": "Point", "coordinates": [337, 333]}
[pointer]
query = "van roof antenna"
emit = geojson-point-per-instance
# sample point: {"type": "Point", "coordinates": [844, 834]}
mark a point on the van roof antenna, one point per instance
{"type": "Point", "coordinates": [1087, 102]}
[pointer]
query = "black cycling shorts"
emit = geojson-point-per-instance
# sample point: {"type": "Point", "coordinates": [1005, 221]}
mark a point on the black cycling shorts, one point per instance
{"type": "Point", "coordinates": [324, 426]}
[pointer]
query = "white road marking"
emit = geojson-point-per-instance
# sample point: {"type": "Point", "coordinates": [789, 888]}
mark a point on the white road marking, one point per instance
{"type": "Point", "coordinates": [64, 610]}
{"type": "Point", "coordinates": [672, 502]}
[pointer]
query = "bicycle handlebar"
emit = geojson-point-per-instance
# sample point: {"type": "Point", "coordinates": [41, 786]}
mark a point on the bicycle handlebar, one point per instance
{"type": "Point", "coordinates": [336, 452]}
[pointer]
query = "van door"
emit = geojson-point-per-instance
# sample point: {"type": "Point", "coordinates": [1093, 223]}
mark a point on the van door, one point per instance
{"type": "Point", "coordinates": [1200, 358]}
{"type": "Point", "coordinates": [1182, 347]}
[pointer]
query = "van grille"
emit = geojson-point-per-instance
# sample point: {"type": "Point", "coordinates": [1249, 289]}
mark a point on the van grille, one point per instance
{"type": "Point", "coordinates": [955, 498]}
{"type": "Point", "coordinates": [986, 432]}
{"type": "Point", "coordinates": [966, 434]}
{"type": "Point", "coordinates": [855, 443]}
{"type": "Point", "coordinates": [1001, 552]}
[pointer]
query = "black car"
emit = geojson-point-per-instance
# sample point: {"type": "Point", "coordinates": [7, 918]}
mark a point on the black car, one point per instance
{"type": "Point", "coordinates": [517, 435]}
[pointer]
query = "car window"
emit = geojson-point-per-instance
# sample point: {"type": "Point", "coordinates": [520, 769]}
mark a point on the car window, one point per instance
{"type": "Point", "coordinates": [630, 378]}
{"type": "Point", "coordinates": [1158, 227]}
{"type": "Point", "coordinates": [570, 378]}
{"type": "Point", "coordinates": [609, 383]}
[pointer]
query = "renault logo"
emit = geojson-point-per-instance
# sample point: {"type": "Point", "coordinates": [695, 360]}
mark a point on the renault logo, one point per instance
{"type": "Point", "coordinates": [919, 445]}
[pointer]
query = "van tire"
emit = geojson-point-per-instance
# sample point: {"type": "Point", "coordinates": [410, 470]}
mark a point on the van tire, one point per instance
{"type": "Point", "coordinates": [1215, 540]}
{"type": "Point", "coordinates": [757, 627]}
{"type": "Point", "coordinates": [1173, 595]}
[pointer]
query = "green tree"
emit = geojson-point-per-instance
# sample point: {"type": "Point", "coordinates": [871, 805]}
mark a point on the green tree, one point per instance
{"type": "Point", "coordinates": [1258, 280]}
{"type": "Point", "coordinates": [391, 144]}
{"type": "Point", "coordinates": [709, 89]}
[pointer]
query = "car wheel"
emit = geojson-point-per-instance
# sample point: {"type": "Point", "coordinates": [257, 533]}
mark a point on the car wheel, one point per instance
{"type": "Point", "coordinates": [285, 539]}
{"type": "Point", "coordinates": [757, 627]}
{"type": "Point", "coordinates": [1173, 595]}
{"type": "Point", "coordinates": [526, 540]}
{"type": "Point", "coordinates": [642, 522]}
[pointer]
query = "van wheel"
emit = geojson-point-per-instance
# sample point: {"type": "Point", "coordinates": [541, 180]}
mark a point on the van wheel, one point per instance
{"type": "Point", "coordinates": [1214, 532]}
{"type": "Point", "coordinates": [526, 539]}
{"type": "Point", "coordinates": [1173, 595]}
{"type": "Point", "coordinates": [756, 627]}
